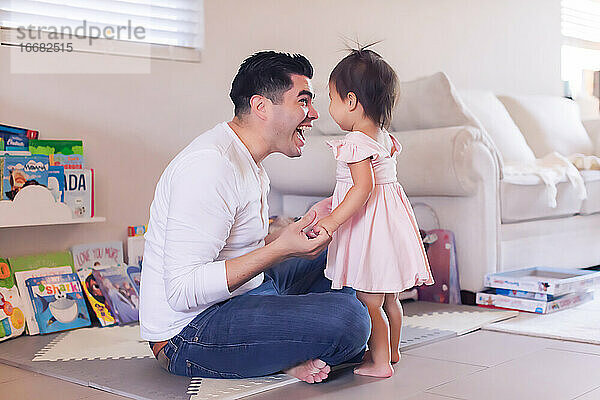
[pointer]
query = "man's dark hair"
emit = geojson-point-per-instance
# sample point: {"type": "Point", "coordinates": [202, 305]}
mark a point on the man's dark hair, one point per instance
{"type": "Point", "coordinates": [372, 80]}
{"type": "Point", "coordinates": [266, 73]}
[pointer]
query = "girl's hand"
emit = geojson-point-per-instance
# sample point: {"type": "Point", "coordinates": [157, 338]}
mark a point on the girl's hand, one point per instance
{"type": "Point", "coordinates": [328, 224]}
{"type": "Point", "coordinates": [295, 242]}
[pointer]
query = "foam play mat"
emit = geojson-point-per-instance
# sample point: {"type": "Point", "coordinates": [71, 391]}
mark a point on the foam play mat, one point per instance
{"type": "Point", "coordinates": [96, 343]}
{"type": "Point", "coordinates": [115, 360]}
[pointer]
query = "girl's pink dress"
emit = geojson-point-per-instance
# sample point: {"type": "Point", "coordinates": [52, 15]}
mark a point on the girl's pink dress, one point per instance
{"type": "Point", "coordinates": [378, 249]}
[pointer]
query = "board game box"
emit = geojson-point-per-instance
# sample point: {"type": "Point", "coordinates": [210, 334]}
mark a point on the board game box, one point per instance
{"type": "Point", "coordinates": [489, 299]}
{"type": "Point", "coordinates": [552, 281]}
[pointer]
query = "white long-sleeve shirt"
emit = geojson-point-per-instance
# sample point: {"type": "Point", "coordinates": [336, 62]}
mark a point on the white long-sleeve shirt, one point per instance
{"type": "Point", "coordinates": [210, 205]}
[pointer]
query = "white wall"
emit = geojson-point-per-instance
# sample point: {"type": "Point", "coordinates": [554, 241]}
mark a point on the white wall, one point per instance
{"type": "Point", "coordinates": [132, 125]}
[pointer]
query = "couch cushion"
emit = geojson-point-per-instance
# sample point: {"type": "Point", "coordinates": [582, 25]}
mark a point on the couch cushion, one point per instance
{"type": "Point", "coordinates": [592, 184]}
{"type": "Point", "coordinates": [499, 125]}
{"type": "Point", "coordinates": [525, 198]}
{"type": "Point", "coordinates": [549, 123]}
{"type": "Point", "coordinates": [430, 102]}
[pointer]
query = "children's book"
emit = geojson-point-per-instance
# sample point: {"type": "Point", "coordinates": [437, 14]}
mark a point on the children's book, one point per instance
{"type": "Point", "coordinates": [65, 153]}
{"type": "Point", "coordinates": [25, 267]}
{"type": "Point", "coordinates": [56, 182]}
{"type": "Point", "coordinates": [135, 250]}
{"type": "Point", "coordinates": [95, 297]}
{"type": "Point", "coordinates": [7, 279]}
{"type": "Point", "coordinates": [35, 261]}
{"type": "Point", "coordinates": [58, 302]}
{"type": "Point", "coordinates": [79, 192]}
{"type": "Point", "coordinates": [21, 278]}
{"type": "Point", "coordinates": [21, 171]}
{"type": "Point", "coordinates": [92, 255]}
{"type": "Point", "coordinates": [119, 291]}
{"type": "Point", "coordinates": [14, 141]}
{"type": "Point", "coordinates": [29, 133]}
{"type": "Point", "coordinates": [135, 274]}
{"type": "Point", "coordinates": [12, 318]}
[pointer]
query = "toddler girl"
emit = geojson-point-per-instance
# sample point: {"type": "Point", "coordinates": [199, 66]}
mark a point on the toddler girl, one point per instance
{"type": "Point", "coordinates": [376, 247]}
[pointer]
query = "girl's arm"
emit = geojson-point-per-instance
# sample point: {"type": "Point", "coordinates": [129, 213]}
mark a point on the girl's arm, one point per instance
{"type": "Point", "coordinates": [357, 196]}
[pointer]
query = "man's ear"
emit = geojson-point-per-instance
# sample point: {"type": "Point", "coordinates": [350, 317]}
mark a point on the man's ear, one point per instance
{"type": "Point", "coordinates": [259, 106]}
{"type": "Point", "coordinates": [351, 101]}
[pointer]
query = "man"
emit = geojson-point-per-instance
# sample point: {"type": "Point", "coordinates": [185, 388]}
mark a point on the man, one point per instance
{"type": "Point", "coordinates": [216, 301]}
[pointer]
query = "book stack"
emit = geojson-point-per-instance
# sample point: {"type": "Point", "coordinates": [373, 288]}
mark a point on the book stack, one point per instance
{"type": "Point", "coordinates": [56, 164]}
{"type": "Point", "coordinates": [539, 289]}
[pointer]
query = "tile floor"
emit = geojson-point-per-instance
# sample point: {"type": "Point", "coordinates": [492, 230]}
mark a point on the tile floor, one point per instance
{"type": "Point", "coordinates": [481, 365]}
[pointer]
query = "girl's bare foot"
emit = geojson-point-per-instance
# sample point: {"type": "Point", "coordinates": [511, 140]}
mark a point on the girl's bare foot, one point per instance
{"type": "Point", "coordinates": [311, 371]}
{"type": "Point", "coordinates": [395, 356]}
{"type": "Point", "coordinates": [369, 368]}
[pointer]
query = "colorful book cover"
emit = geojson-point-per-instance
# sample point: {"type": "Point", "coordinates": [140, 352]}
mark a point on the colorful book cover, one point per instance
{"type": "Point", "coordinates": [58, 302]}
{"type": "Point", "coordinates": [66, 153]}
{"type": "Point", "coordinates": [69, 161]}
{"type": "Point", "coordinates": [135, 250]}
{"type": "Point", "coordinates": [12, 318]}
{"type": "Point", "coordinates": [35, 261]}
{"type": "Point", "coordinates": [14, 141]}
{"type": "Point", "coordinates": [135, 275]}
{"type": "Point", "coordinates": [21, 282]}
{"type": "Point", "coordinates": [79, 192]}
{"type": "Point", "coordinates": [58, 146]}
{"type": "Point", "coordinates": [91, 255]}
{"type": "Point", "coordinates": [119, 292]}
{"type": "Point", "coordinates": [7, 279]}
{"type": "Point", "coordinates": [56, 182]}
{"type": "Point", "coordinates": [95, 297]}
{"type": "Point", "coordinates": [29, 133]}
{"type": "Point", "coordinates": [21, 171]}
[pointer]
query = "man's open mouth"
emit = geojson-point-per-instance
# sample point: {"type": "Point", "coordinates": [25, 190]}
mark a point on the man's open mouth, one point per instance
{"type": "Point", "coordinates": [299, 136]}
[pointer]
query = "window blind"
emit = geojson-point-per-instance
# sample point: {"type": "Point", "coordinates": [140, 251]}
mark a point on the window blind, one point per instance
{"type": "Point", "coordinates": [580, 20]}
{"type": "Point", "coordinates": [163, 22]}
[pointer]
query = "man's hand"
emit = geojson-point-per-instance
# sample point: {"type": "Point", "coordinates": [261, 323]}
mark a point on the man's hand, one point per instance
{"type": "Point", "coordinates": [294, 242]}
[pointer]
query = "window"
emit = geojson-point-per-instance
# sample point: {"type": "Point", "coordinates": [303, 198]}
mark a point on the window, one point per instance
{"type": "Point", "coordinates": [162, 24]}
{"type": "Point", "coordinates": [580, 24]}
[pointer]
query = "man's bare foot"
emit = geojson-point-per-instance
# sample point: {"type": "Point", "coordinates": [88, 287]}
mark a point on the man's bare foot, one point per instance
{"type": "Point", "coordinates": [369, 368]}
{"type": "Point", "coordinates": [395, 356]}
{"type": "Point", "coordinates": [311, 371]}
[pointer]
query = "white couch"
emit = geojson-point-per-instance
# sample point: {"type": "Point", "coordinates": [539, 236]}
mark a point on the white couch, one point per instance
{"type": "Point", "coordinates": [455, 147]}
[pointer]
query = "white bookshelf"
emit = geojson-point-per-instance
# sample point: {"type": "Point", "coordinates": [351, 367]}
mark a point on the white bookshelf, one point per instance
{"type": "Point", "coordinates": [65, 222]}
{"type": "Point", "coordinates": [35, 206]}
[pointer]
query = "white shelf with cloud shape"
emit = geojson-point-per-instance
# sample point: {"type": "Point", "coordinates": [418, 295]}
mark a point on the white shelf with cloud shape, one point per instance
{"type": "Point", "coordinates": [35, 206]}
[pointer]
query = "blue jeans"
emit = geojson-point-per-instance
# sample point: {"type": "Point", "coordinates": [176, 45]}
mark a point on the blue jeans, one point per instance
{"type": "Point", "coordinates": [293, 316]}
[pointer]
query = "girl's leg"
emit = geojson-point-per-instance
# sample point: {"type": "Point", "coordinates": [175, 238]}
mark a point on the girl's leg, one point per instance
{"type": "Point", "coordinates": [378, 362]}
{"type": "Point", "coordinates": [393, 310]}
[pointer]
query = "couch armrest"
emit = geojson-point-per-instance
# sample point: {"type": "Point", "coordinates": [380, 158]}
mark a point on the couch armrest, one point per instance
{"type": "Point", "coordinates": [433, 162]}
{"type": "Point", "coordinates": [592, 126]}
{"type": "Point", "coordinates": [445, 161]}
